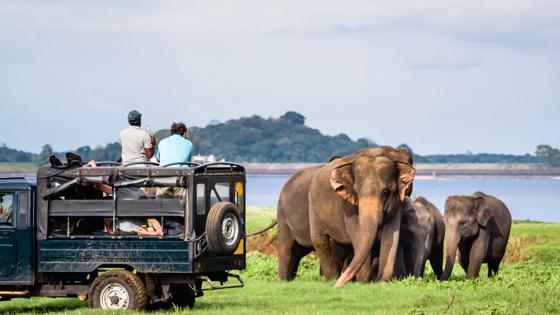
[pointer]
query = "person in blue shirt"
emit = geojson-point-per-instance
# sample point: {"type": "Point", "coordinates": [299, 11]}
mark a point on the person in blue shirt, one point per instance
{"type": "Point", "coordinates": [174, 149]}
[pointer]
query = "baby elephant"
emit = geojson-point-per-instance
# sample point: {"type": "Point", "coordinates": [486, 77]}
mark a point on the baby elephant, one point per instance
{"type": "Point", "coordinates": [479, 226]}
{"type": "Point", "coordinates": [422, 233]}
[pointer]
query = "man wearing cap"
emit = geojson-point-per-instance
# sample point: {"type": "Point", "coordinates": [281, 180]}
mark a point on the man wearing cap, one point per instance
{"type": "Point", "coordinates": [137, 145]}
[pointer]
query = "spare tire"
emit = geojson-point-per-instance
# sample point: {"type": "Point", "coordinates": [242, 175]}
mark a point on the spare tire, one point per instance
{"type": "Point", "coordinates": [223, 228]}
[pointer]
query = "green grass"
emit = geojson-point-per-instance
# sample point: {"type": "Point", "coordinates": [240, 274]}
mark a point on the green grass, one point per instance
{"type": "Point", "coordinates": [259, 217]}
{"type": "Point", "coordinates": [18, 165]}
{"type": "Point", "coordinates": [531, 285]}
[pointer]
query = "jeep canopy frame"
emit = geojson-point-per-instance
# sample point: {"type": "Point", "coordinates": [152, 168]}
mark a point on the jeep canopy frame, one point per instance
{"type": "Point", "coordinates": [53, 182]}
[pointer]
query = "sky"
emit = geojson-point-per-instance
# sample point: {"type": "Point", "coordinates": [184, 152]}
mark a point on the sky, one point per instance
{"type": "Point", "coordinates": [442, 76]}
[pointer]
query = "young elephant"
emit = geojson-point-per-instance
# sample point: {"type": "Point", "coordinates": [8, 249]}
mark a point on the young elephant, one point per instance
{"type": "Point", "coordinates": [422, 233]}
{"type": "Point", "coordinates": [479, 226]}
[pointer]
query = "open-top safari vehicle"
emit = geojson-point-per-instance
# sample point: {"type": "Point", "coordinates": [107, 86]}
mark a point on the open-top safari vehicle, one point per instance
{"type": "Point", "coordinates": [60, 235]}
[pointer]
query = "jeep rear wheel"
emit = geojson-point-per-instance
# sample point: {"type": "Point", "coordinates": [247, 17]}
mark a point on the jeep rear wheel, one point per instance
{"type": "Point", "coordinates": [118, 290]}
{"type": "Point", "coordinates": [182, 295]}
{"type": "Point", "coordinates": [223, 228]}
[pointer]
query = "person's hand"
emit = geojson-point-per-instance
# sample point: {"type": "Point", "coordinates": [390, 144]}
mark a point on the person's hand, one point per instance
{"type": "Point", "coordinates": [142, 231]}
{"type": "Point", "coordinates": [92, 163]}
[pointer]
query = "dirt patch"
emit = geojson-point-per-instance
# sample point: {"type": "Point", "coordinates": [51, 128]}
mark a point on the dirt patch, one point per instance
{"type": "Point", "coordinates": [516, 250]}
{"type": "Point", "coordinates": [264, 243]}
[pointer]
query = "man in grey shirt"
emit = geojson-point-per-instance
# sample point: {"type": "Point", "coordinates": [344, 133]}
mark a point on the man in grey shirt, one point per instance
{"type": "Point", "coordinates": [137, 144]}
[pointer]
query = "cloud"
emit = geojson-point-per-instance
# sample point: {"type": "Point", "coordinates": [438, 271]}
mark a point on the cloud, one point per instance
{"type": "Point", "coordinates": [462, 65]}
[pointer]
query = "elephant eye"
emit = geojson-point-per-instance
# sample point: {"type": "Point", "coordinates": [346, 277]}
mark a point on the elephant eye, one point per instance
{"type": "Point", "coordinates": [385, 193]}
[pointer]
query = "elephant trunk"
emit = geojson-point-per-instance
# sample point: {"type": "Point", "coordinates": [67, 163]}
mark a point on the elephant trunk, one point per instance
{"type": "Point", "coordinates": [451, 244]}
{"type": "Point", "coordinates": [369, 217]}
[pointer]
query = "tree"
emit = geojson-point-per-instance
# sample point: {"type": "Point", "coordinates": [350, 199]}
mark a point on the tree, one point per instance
{"type": "Point", "coordinates": [45, 155]}
{"type": "Point", "coordinates": [112, 151]}
{"type": "Point", "coordinates": [98, 153]}
{"type": "Point", "coordinates": [548, 154]}
{"type": "Point", "coordinates": [293, 117]}
{"type": "Point", "coordinates": [84, 152]}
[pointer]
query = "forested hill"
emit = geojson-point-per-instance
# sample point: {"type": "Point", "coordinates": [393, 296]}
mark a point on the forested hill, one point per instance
{"type": "Point", "coordinates": [282, 139]}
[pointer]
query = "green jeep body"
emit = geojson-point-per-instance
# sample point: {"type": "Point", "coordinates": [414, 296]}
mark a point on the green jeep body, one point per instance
{"type": "Point", "coordinates": [43, 253]}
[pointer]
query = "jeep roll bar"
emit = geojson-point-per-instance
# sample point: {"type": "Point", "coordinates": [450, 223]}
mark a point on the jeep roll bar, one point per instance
{"type": "Point", "coordinates": [204, 167]}
{"type": "Point", "coordinates": [181, 163]}
{"type": "Point", "coordinates": [139, 163]}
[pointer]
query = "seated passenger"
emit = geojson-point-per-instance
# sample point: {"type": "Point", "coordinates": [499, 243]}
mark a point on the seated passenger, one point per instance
{"type": "Point", "coordinates": [143, 227]}
{"type": "Point", "coordinates": [127, 193]}
{"type": "Point", "coordinates": [174, 149]}
{"type": "Point", "coordinates": [130, 226]}
{"type": "Point", "coordinates": [173, 226]}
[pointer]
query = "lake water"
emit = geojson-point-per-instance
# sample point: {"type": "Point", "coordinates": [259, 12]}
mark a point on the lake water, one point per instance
{"type": "Point", "coordinates": [532, 198]}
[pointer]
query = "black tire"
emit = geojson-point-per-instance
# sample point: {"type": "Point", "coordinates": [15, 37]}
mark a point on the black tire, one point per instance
{"type": "Point", "coordinates": [99, 295]}
{"type": "Point", "coordinates": [182, 295]}
{"type": "Point", "coordinates": [218, 214]}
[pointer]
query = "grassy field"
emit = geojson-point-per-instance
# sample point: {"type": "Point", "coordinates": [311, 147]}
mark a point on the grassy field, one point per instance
{"type": "Point", "coordinates": [528, 283]}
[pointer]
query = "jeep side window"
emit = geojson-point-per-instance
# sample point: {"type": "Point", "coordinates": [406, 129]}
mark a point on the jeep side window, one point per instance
{"type": "Point", "coordinates": [200, 199]}
{"type": "Point", "coordinates": [6, 207]}
{"type": "Point", "coordinates": [219, 193]}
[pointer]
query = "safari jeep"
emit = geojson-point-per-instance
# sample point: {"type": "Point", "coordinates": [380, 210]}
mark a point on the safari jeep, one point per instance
{"type": "Point", "coordinates": [61, 236]}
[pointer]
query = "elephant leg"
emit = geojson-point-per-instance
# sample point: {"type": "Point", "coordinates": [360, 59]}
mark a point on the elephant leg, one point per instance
{"type": "Point", "coordinates": [298, 253]}
{"type": "Point", "coordinates": [364, 274]}
{"type": "Point", "coordinates": [400, 268]}
{"type": "Point", "coordinates": [464, 256]}
{"type": "Point", "coordinates": [339, 254]}
{"type": "Point", "coordinates": [374, 268]}
{"type": "Point", "coordinates": [436, 260]}
{"type": "Point", "coordinates": [493, 267]}
{"type": "Point", "coordinates": [289, 254]}
{"type": "Point", "coordinates": [477, 254]}
{"type": "Point", "coordinates": [321, 243]}
{"type": "Point", "coordinates": [389, 246]}
{"type": "Point", "coordinates": [285, 255]}
{"type": "Point", "coordinates": [418, 262]}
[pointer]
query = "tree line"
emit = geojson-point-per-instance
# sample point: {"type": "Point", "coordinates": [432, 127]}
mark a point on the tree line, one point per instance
{"type": "Point", "coordinates": [282, 139]}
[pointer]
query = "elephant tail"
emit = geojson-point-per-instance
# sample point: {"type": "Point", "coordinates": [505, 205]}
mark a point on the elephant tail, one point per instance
{"type": "Point", "coordinates": [270, 226]}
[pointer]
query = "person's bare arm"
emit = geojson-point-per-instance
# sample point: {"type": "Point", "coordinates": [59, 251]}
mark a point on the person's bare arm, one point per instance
{"type": "Point", "coordinates": [158, 229]}
{"type": "Point", "coordinates": [149, 152]}
{"type": "Point", "coordinates": [108, 223]}
{"type": "Point", "coordinates": [103, 187]}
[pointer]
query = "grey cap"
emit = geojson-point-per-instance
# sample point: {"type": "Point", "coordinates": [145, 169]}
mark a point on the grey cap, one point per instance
{"type": "Point", "coordinates": [134, 116]}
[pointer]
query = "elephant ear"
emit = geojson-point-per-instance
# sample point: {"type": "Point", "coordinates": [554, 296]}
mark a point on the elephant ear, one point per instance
{"type": "Point", "coordinates": [483, 213]}
{"type": "Point", "coordinates": [342, 180]}
{"type": "Point", "coordinates": [406, 176]}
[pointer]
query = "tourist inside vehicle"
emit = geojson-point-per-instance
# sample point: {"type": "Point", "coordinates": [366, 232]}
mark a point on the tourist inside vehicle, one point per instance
{"type": "Point", "coordinates": [174, 149]}
{"type": "Point", "coordinates": [138, 226]}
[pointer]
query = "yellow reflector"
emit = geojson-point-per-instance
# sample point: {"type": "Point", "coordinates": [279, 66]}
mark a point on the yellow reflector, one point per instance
{"type": "Point", "coordinates": [239, 188]}
{"type": "Point", "coordinates": [240, 250]}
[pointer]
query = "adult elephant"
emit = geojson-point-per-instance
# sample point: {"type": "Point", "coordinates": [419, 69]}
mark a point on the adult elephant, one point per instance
{"type": "Point", "coordinates": [479, 225]}
{"type": "Point", "coordinates": [422, 234]}
{"type": "Point", "coordinates": [350, 199]}
{"type": "Point", "coordinates": [294, 238]}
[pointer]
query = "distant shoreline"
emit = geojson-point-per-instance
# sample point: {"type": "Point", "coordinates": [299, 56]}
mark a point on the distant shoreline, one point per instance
{"type": "Point", "coordinates": [431, 171]}
{"type": "Point", "coordinates": [423, 170]}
